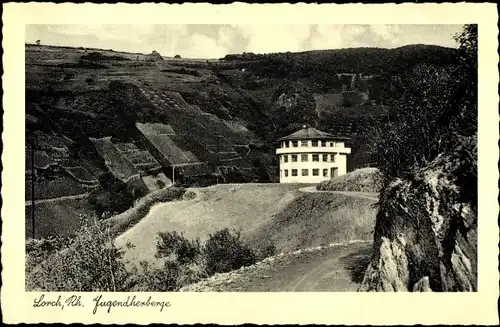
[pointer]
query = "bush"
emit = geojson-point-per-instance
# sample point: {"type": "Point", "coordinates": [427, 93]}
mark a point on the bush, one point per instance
{"type": "Point", "coordinates": [224, 252]}
{"type": "Point", "coordinates": [150, 279]}
{"type": "Point", "coordinates": [266, 250]}
{"type": "Point", "coordinates": [190, 195]}
{"type": "Point", "coordinates": [39, 250]}
{"type": "Point", "coordinates": [160, 183]}
{"type": "Point", "coordinates": [112, 196]}
{"type": "Point", "coordinates": [172, 243]}
{"type": "Point", "coordinates": [89, 263]}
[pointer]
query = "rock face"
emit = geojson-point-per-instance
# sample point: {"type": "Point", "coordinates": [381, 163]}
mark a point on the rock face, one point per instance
{"type": "Point", "coordinates": [426, 230]}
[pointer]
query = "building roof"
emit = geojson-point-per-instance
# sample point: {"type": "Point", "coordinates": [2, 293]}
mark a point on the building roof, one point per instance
{"type": "Point", "coordinates": [311, 133]}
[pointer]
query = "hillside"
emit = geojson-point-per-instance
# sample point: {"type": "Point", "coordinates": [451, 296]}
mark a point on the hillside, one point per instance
{"type": "Point", "coordinates": [90, 111]}
{"type": "Point", "coordinates": [264, 214]}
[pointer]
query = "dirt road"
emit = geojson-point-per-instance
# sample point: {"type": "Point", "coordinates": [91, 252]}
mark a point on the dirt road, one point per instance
{"type": "Point", "coordinates": [364, 195]}
{"type": "Point", "coordinates": [333, 269]}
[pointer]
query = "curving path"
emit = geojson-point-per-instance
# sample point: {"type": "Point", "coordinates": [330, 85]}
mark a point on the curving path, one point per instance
{"type": "Point", "coordinates": [62, 198]}
{"type": "Point", "coordinates": [339, 269]}
{"type": "Point", "coordinates": [332, 269]}
{"type": "Point", "coordinates": [363, 195]}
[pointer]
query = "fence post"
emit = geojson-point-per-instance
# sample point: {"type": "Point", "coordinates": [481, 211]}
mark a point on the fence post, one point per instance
{"type": "Point", "coordinates": [33, 186]}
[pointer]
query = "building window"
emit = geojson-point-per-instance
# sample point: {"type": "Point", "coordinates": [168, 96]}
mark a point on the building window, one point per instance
{"type": "Point", "coordinates": [333, 158]}
{"type": "Point", "coordinates": [323, 143]}
{"type": "Point", "coordinates": [295, 144]}
{"type": "Point", "coordinates": [285, 145]}
{"type": "Point", "coordinates": [325, 172]}
{"type": "Point", "coordinates": [294, 172]}
{"type": "Point", "coordinates": [294, 158]}
{"type": "Point", "coordinates": [316, 157]}
{"type": "Point", "coordinates": [305, 172]}
{"type": "Point", "coordinates": [285, 158]}
{"type": "Point", "coordinates": [286, 172]}
{"type": "Point", "coordinates": [332, 144]}
{"type": "Point", "coordinates": [303, 157]}
{"type": "Point", "coordinates": [325, 157]}
{"type": "Point", "coordinates": [315, 172]}
{"type": "Point", "coordinates": [303, 143]}
{"type": "Point", "coordinates": [314, 143]}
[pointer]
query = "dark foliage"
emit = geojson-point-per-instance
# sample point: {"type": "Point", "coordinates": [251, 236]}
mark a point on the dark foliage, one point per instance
{"type": "Point", "coordinates": [368, 60]}
{"type": "Point", "coordinates": [438, 105]}
{"type": "Point", "coordinates": [89, 263]}
{"type": "Point", "coordinates": [172, 243]}
{"type": "Point", "coordinates": [112, 196]}
{"type": "Point", "coordinates": [224, 252]}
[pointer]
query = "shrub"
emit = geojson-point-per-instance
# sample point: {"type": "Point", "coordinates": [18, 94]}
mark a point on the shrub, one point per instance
{"type": "Point", "coordinates": [89, 263]}
{"type": "Point", "coordinates": [151, 279]}
{"type": "Point", "coordinates": [160, 183]}
{"type": "Point", "coordinates": [113, 196]}
{"type": "Point", "coordinates": [190, 195]}
{"type": "Point", "coordinates": [265, 250]}
{"type": "Point", "coordinates": [172, 243]}
{"type": "Point", "coordinates": [224, 252]}
{"type": "Point", "coordinates": [39, 250]}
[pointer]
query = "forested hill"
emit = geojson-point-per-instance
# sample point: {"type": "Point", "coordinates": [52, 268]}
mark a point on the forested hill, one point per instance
{"type": "Point", "coordinates": [350, 60]}
{"type": "Point", "coordinates": [222, 116]}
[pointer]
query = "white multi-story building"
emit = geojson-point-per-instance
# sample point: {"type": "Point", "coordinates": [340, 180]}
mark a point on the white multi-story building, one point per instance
{"type": "Point", "coordinates": [311, 156]}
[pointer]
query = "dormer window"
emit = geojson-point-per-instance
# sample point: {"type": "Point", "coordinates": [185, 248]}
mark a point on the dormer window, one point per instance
{"type": "Point", "coordinates": [314, 142]}
{"type": "Point", "coordinates": [295, 144]}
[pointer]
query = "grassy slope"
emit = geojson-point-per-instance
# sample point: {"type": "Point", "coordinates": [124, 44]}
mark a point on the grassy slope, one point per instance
{"type": "Point", "coordinates": [238, 206]}
{"type": "Point", "coordinates": [261, 212]}
{"type": "Point", "coordinates": [315, 219]}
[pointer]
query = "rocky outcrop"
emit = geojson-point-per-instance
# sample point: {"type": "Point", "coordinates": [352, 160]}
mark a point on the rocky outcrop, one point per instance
{"type": "Point", "coordinates": [426, 230]}
{"type": "Point", "coordinates": [155, 56]}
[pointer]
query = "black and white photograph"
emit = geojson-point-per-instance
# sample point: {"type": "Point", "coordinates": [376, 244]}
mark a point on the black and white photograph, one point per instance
{"type": "Point", "coordinates": [265, 164]}
{"type": "Point", "coordinates": [194, 158]}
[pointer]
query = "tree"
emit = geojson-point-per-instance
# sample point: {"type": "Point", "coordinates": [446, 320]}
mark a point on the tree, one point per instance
{"type": "Point", "coordinates": [437, 106]}
{"type": "Point", "coordinates": [467, 103]}
{"type": "Point", "coordinates": [467, 41]}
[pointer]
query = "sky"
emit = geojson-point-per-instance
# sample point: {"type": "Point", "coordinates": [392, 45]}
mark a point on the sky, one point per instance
{"type": "Point", "coordinates": [215, 41]}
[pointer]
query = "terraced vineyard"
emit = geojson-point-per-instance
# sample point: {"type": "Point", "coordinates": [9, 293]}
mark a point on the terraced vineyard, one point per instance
{"type": "Point", "coordinates": [120, 166]}
{"type": "Point", "coordinates": [207, 118]}
{"type": "Point", "coordinates": [141, 159]}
